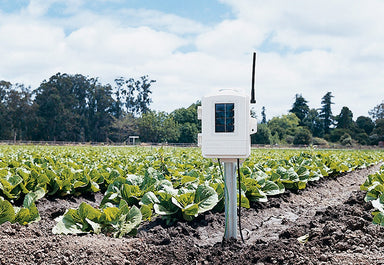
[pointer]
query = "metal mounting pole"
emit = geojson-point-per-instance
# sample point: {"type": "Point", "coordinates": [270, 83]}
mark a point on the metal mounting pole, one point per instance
{"type": "Point", "coordinates": [230, 200]}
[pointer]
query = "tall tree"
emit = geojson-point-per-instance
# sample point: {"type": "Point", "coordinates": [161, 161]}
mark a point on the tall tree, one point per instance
{"type": "Point", "coordinates": [326, 111]}
{"type": "Point", "coordinates": [100, 112]}
{"type": "Point", "coordinates": [143, 98]}
{"type": "Point", "coordinates": [345, 119]}
{"type": "Point", "coordinates": [263, 116]}
{"type": "Point", "coordinates": [263, 135]}
{"type": "Point", "coordinates": [158, 127]}
{"type": "Point", "coordinates": [50, 110]}
{"type": "Point", "coordinates": [313, 122]}
{"type": "Point", "coordinates": [189, 125]}
{"type": "Point", "coordinates": [378, 132]}
{"type": "Point", "coordinates": [58, 107]}
{"type": "Point", "coordinates": [300, 108]}
{"type": "Point", "coordinates": [284, 126]}
{"type": "Point", "coordinates": [133, 95]}
{"type": "Point", "coordinates": [122, 128]}
{"type": "Point", "coordinates": [365, 123]}
{"type": "Point", "coordinates": [377, 112]}
{"type": "Point", "coordinates": [73, 108]}
{"type": "Point", "coordinates": [5, 131]}
{"type": "Point", "coordinates": [19, 111]}
{"type": "Point", "coordinates": [118, 108]}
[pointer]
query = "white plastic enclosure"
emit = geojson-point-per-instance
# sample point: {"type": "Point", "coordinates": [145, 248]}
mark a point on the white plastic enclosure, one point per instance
{"type": "Point", "coordinates": [226, 125]}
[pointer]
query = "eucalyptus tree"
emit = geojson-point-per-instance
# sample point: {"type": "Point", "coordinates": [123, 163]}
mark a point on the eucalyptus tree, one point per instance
{"type": "Point", "coordinates": [377, 112]}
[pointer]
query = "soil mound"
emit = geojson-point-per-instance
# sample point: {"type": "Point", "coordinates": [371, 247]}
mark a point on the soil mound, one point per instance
{"type": "Point", "coordinates": [328, 223]}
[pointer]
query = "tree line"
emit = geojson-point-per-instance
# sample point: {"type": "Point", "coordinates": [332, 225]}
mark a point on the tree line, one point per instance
{"type": "Point", "coordinates": [304, 125]}
{"type": "Point", "coordinates": [81, 109]}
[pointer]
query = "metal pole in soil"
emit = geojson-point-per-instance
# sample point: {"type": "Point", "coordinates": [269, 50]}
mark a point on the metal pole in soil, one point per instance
{"type": "Point", "coordinates": [230, 200]}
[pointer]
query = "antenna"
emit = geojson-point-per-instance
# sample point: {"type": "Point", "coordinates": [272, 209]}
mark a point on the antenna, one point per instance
{"type": "Point", "coordinates": [253, 101]}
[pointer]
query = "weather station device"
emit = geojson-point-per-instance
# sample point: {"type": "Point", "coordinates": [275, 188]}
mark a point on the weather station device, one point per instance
{"type": "Point", "coordinates": [226, 128]}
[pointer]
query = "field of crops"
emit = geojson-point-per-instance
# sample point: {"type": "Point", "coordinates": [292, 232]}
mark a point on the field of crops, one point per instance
{"type": "Point", "coordinates": [139, 183]}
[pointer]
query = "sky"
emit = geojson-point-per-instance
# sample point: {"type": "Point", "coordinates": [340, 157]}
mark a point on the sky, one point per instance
{"type": "Point", "coordinates": [195, 47]}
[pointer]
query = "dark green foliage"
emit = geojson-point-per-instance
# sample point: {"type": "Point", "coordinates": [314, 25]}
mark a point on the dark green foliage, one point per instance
{"type": "Point", "coordinates": [19, 112]}
{"type": "Point", "coordinates": [336, 134]}
{"type": "Point", "coordinates": [4, 126]}
{"type": "Point", "coordinates": [365, 123]}
{"type": "Point", "coordinates": [300, 108]}
{"type": "Point", "coordinates": [73, 108]}
{"type": "Point", "coordinates": [81, 109]}
{"type": "Point", "coordinates": [263, 116]}
{"type": "Point", "coordinates": [362, 138]}
{"type": "Point", "coordinates": [326, 112]}
{"type": "Point", "coordinates": [132, 96]}
{"type": "Point", "coordinates": [344, 119]}
{"type": "Point", "coordinates": [158, 127]}
{"type": "Point", "coordinates": [314, 123]}
{"type": "Point", "coordinates": [346, 139]}
{"type": "Point", "coordinates": [263, 135]}
{"type": "Point", "coordinates": [379, 128]}
{"type": "Point", "coordinates": [377, 112]}
{"type": "Point", "coordinates": [284, 126]}
{"type": "Point", "coordinates": [302, 137]}
{"type": "Point", "coordinates": [378, 132]}
{"type": "Point", "coordinates": [189, 125]}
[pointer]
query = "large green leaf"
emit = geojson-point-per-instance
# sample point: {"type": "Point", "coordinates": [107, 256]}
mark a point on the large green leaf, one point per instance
{"type": "Point", "coordinates": [165, 205]}
{"type": "Point", "coordinates": [7, 213]}
{"type": "Point", "coordinates": [190, 212]}
{"type": "Point", "coordinates": [85, 219]}
{"type": "Point", "coordinates": [87, 211]}
{"type": "Point", "coordinates": [24, 216]}
{"type": "Point", "coordinates": [32, 197]}
{"type": "Point", "coordinates": [206, 198]}
{"type": "Point", "coordinates": [272, 188]}
{"type": "Point", "coordinates": [129, 222]}
{"type": "Point", "coordinates": [244, 201]}
{"type": "Point", "coordinates": [378, 218]}
{"type": "Point", "coordinates": [254, 192]}
{"type": "Point", "coordinates": [131, 193]}
{"type": "Point", "coordinates": [110, 214]}
{"type": "Point", "coordinates": [67, 224]}
{"type": "Point", "coordinates": [10, 186]}
{"type": "Point", "coordinates": [146, 212]}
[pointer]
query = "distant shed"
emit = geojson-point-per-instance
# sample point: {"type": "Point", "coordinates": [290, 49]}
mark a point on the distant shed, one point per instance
{"type": "Point", "coordinates": [133, 139]}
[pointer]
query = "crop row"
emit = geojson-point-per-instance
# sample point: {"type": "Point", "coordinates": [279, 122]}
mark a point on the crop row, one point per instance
{"type": "Point", "coordinates": [141, 182]}
{"type": "Point", "coordinates": [374, 186]}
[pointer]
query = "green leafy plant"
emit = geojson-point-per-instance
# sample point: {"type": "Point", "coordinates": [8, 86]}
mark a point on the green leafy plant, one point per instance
{"type": "Point", "coordinates": [117, 221]}
{"type": "Point", "coordinates": [173, 183]}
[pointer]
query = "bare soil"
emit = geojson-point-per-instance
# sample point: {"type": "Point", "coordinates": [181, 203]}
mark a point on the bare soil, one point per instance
{"type": "Point", "coordinates": [331, 213]}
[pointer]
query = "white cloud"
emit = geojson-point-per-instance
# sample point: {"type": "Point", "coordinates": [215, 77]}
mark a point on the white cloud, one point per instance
{"type": "Point", "coordinates": [37, 8]}
{"type": "Point", "coordinates": [102, 48]}
{"type": "Point", "coordinates": [305, 47]}
{"type": "Point", "coordinates": [315, 47]}
{"type": "Point", "coordinates": [159, 20]}
{"type": "Point", "coordinates": [230, 38]}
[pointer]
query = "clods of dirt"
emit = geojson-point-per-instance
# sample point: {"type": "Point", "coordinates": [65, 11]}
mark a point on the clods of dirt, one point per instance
{"type": "Point", "coordinates": [328, 223]}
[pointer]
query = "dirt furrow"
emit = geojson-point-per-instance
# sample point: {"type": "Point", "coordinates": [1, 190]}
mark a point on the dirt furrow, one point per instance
{"type": "Point", "coordinates": [277, 215]}
{"type": "Point", "coordinates": [331, 215]}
